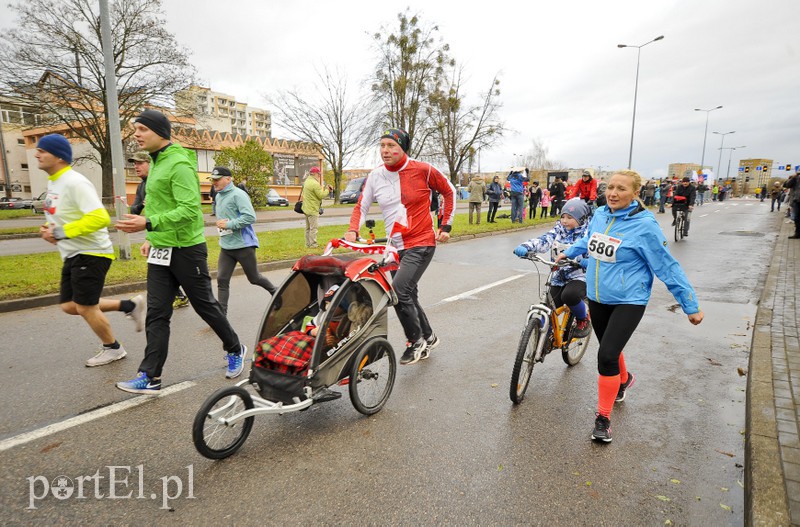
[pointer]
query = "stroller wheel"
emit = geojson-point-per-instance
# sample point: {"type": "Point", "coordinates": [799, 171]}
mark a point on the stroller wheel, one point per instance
{"type": "Point", "coordinates": [213, 436]}
{"type": "Point", "coordinates": [372, 376]}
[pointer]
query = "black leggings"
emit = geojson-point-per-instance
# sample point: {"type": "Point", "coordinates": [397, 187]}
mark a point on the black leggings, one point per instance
{"type": "Point", "coordinates": [613, 325]}
{"type": "Point", "coordinates": [570, 294]}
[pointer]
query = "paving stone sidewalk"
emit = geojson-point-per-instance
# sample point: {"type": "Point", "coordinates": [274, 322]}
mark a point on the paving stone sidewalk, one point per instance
{"type": "Point", "coordinates": [772, 451]}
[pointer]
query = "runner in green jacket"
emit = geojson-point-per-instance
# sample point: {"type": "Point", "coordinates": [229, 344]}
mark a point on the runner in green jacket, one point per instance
{"type": "Point", "coordinates": [176, 252]}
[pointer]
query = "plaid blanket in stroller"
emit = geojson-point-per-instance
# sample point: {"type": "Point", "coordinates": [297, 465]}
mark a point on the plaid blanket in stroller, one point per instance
{"type": "Point", "coordinates": [286, 353]}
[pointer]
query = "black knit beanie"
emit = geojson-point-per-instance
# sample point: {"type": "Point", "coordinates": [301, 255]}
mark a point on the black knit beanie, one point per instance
{"type": "Point", "coordinates": [399, 136]}
{"type": "Point", "coordinates": [156, 121]}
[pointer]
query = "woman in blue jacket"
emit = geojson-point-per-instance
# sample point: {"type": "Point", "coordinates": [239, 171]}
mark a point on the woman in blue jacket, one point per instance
{"type": "Point", "coordinates": [626, 248]}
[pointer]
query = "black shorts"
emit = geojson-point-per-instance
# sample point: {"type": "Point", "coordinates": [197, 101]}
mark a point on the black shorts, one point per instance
{"type": "Point", "coordinates": [82, 279]}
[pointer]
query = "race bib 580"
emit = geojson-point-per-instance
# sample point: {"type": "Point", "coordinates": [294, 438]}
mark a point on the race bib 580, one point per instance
{"type": "Point", "coordinates": [603, 248]}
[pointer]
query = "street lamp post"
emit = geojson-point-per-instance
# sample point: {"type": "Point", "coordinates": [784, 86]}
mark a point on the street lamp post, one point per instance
{"type": "Point", "coordinates": [705, 134]}
{"type": "Point", "coordinates": [721, 144]}
{"type": "Point", "coordinates": [636, 89]}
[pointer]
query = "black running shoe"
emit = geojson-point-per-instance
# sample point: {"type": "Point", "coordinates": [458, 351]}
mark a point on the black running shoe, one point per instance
{"type": "Point", "coordinates": [602, 429]}
{"type": "Point", "coordinates": [624, 386]}
{"type": "Point", "coordinates": [431, 343]}
{"type": "Point", "coordinates": [413, 352]}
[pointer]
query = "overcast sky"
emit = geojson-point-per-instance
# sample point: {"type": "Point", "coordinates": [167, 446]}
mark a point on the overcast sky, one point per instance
{"type": "Point", "coordinates": [563, 79]}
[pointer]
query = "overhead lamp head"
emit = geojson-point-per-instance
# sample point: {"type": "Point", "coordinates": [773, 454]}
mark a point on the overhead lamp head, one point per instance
{"type": "Point", "coordinates": [658, 38]}
{"type": "Point", "coordinates": [622, 45]}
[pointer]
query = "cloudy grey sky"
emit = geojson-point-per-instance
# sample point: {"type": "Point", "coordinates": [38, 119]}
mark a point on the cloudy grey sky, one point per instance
{"type": "Point", "coordinates": [563, 79]}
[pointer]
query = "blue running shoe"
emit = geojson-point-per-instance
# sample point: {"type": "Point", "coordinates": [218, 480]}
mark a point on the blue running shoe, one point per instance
{"type": "Point", "coordinates": [236, 363]}
{"type": "Point", "coordinates": [141, 384]}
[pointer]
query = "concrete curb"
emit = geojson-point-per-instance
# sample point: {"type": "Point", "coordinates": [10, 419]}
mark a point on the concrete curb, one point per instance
{"type": "Point", "coordinates": [765, 495]}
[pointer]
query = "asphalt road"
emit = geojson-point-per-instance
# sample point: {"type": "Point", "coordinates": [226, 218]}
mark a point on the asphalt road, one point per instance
{"type": "Point", "coordinates": [448, 448]}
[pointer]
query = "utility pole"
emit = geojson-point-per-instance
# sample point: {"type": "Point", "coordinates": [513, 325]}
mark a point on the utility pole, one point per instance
{"type": "Point", "coordinates": [6, 173]}
{"type": "Point", "coordinates": [114, 131]}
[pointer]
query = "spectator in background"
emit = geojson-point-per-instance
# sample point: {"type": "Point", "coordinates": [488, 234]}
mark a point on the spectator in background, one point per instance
{"type": "Point", "coordinates": [545, 202]}
{"type": "Point", "coordinates": [516, 178]}
{"type": "Point", "coordinates": [312, 203]}
{"type": "Point", "coordinates": [495, 193]}
{"type": "Point", "coordinates": [557, 192]}
{"type": "Point", "coordinates": [534, 197]}
{"type": "Point", "coordinates": [477, 191]}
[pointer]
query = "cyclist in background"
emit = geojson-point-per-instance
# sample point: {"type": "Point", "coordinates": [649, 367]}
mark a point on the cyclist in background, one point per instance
{"type": "Point", "coordinates": [683, 199]}
{"type": "Point", "coordinates": [586, 189]}
{"type": "Point", "coordinates": [568, 284]}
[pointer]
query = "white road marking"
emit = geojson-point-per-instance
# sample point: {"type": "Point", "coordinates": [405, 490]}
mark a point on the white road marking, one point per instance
{"type": "Point", "coordinates": [33, 435]}
{"type": "Point", "coordinates": [475, 291]}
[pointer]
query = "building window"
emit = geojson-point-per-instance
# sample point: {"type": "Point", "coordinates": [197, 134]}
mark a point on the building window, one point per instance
{"type": "Point", "coordinates": [24, 166]}
{"type": "Point", "coordinates": [21, 142]}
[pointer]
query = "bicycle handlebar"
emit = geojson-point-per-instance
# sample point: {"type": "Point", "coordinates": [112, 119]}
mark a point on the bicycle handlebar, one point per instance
{"type": "Point", "coordinates": [534, 257]}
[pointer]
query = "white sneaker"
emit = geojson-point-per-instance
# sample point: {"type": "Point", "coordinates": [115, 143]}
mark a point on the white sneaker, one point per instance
{"type": "Point", "coordinates": [106, 356]}
{"type": "Point", "coordinates": [139, 312]}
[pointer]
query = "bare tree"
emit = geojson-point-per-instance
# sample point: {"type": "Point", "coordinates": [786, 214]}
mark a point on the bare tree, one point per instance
{"type": "Point", "coordinates": [538, 157]}
{"type": "Point", "coordinates": [459, 129]}
{"type": "Point", "coordinates": [53, 56]}
{"type": "Point", "coordinates": [410, 61]}
{"type": "Point", "coordinates": [341, 125]}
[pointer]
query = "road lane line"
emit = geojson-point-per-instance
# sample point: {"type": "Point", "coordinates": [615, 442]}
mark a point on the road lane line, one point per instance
{"type": "Point", "coordinates": [39, 433]}
{"type": "Point", "coordinates": [472, 292]}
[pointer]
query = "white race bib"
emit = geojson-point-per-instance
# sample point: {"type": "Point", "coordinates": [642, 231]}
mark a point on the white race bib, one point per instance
{"type": "Point", "coordinates": [224, 232]}
{"type": "Point", "coordinates": [603, 248]}
{"type": "Point", "coordinates": [160, 256]}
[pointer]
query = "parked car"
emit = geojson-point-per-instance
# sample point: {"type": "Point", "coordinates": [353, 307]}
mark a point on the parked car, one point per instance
{"type": "Point", "coordinates": [276, 200]}
{"type": "Point", "coordinates": [4, 202]}
{"type": "Point", "coordinates": [14, 203]}
{"type": "Point", "coordinates": [352, 192]}
{"type": "Point", "coordinates": [37, 204]}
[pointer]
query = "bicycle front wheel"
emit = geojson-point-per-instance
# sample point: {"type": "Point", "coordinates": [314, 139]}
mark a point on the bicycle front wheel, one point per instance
{"type": "Point", "coordinates": [523, 364]}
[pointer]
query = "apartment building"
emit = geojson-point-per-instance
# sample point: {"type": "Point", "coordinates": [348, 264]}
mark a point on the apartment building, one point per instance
{"type": "Point", "coordinates": [15, 116]}
{"type": "Point", "coordinates": [223, 113]}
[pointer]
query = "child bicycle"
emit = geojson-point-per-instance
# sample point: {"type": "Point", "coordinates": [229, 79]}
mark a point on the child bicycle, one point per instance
{"type": "Point", "coordinates": [547, 327]}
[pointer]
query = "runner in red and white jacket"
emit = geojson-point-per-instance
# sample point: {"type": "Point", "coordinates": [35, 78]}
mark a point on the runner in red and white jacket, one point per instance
{"type": "Point", "coordinates": [402, 188]}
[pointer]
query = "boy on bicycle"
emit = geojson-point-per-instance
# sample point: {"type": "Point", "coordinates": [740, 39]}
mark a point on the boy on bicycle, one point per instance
{"type": "Point", "coordinates": [569, 283]}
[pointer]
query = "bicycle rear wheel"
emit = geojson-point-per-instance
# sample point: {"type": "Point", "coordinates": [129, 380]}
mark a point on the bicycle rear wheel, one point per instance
{"type": "Point", "coordinates": [679, 227]}
{"type": "Point", "coordinates": [523, 364]}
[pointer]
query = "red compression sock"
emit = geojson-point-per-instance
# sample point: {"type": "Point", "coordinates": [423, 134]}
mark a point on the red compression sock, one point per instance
{"type": "Point", "coordinates": [623, 370]}
{"type": "Point", "coordinates": [607, 388]}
